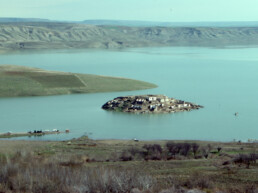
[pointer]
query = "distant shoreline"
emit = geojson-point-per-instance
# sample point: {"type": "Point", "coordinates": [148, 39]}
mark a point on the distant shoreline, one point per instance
{"type": "Point", "coordinates": [9, 135]}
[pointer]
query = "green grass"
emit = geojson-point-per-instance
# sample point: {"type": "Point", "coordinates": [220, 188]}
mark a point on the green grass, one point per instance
{"type": "Point", "coordinates": [25, 81]}
{"type": "Point", "coordinates": [57, 81]}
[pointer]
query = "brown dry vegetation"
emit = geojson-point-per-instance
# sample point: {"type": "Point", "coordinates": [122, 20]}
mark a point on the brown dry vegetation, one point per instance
{"type": "Point", "coordinates": [84, 165]}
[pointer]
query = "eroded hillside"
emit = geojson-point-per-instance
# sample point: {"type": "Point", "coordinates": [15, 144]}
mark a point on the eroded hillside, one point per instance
{"type": "Point", "coordinates": [64, 35]}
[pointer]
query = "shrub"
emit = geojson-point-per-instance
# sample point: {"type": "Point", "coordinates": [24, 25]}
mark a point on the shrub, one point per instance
{"type": "Point", "coordinates": [219, 149]}
{"type": "Point", "coordinates": [153, 152]}
{"type": "Point", "coordinates": [198, 180]}
{"type": "Point", "coordinates": [174, 190]}
{"type": "Point", "coordinates": [185, 148]}
{"type": "Point", "coordinates": [248, 188]}
{"type": "Point", "coordinates": [205, 152]}
{"type": "Point", "coordinates": [126, 156]}
{"type": "Point", "coordinates": [156, 148]}
{"type": "Point", "coordinates": [195, 148]}
{"type": "Point", "coordinates": [49, 176]}
{"type": "Point", "coordinates": [181, 148]}
{"type": "Point", "coordinates": [173, 148]}
{"type": "Point", "coordinates": [246, 159]}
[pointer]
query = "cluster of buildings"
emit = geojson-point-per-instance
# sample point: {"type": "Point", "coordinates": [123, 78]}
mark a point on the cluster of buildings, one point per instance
{"type": "Point", "coordinates": [149, 104]}
{"type": "Point", "coordinates": [252, 140]}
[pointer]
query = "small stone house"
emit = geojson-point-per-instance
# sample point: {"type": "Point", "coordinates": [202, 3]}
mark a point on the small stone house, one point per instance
{"type": "Point", "coordinates": [152, 107]}
{"type": "Point", "coordinates": [152, 98]}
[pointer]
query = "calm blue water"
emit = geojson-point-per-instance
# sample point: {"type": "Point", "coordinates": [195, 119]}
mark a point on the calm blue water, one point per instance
{"type": "Point", "coordinates": [222, 80]}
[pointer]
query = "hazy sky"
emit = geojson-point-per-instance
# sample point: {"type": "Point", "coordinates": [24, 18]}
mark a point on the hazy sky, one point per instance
{"type": "Point", "coordinates": [148, 10]}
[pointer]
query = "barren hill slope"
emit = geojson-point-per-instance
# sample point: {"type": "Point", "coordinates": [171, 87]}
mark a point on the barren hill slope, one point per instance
{"type": "Point", "coordinates": [64, 35]}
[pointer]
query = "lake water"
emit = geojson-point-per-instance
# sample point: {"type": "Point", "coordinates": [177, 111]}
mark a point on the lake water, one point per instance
{"type": "Point", "coordinates": [224, 81]}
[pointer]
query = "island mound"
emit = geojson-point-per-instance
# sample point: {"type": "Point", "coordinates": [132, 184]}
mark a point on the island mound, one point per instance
{"type": "Point", "coordinates": [149, 104]}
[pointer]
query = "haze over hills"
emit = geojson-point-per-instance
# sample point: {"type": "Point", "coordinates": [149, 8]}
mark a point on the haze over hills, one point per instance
{"type": "Point", "coordinates": [133, 23]}
{"type": "Point", "coordinates": [61, 35]}
{"type": "Point", "coordinates": [170, 24]}
{"type": "Point", "coordinates": [14, 20]}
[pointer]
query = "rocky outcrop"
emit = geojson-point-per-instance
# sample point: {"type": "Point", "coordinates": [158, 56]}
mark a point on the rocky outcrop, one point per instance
{"type": "Point", "coordinates": [149, 104]}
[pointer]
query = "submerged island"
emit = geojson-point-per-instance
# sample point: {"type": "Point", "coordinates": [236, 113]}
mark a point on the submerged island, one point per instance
{"type": "Point", "coordinates": [149, 104]}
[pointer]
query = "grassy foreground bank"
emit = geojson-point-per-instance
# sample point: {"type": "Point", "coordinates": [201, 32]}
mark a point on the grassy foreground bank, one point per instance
{"type": "Point", "coordinates": [85, 165]}
{"type": "Point", "coordinates": [25, 81]}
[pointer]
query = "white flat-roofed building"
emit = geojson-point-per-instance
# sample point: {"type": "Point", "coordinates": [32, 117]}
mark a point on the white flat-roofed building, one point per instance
{"type": "Point", "coordinates": [152, 98]}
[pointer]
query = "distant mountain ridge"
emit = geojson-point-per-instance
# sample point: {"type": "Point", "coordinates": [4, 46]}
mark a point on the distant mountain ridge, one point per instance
{"type": "Point", "coordinates": [52, 35]}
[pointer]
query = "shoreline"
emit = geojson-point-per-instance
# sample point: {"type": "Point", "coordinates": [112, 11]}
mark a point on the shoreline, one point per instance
{"type": "Point", "coordinates": [9, 135]}
{"type": "Point", "coordinates": [112, 141]}
{"type": "Point", "coordinates": [75, 49]}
